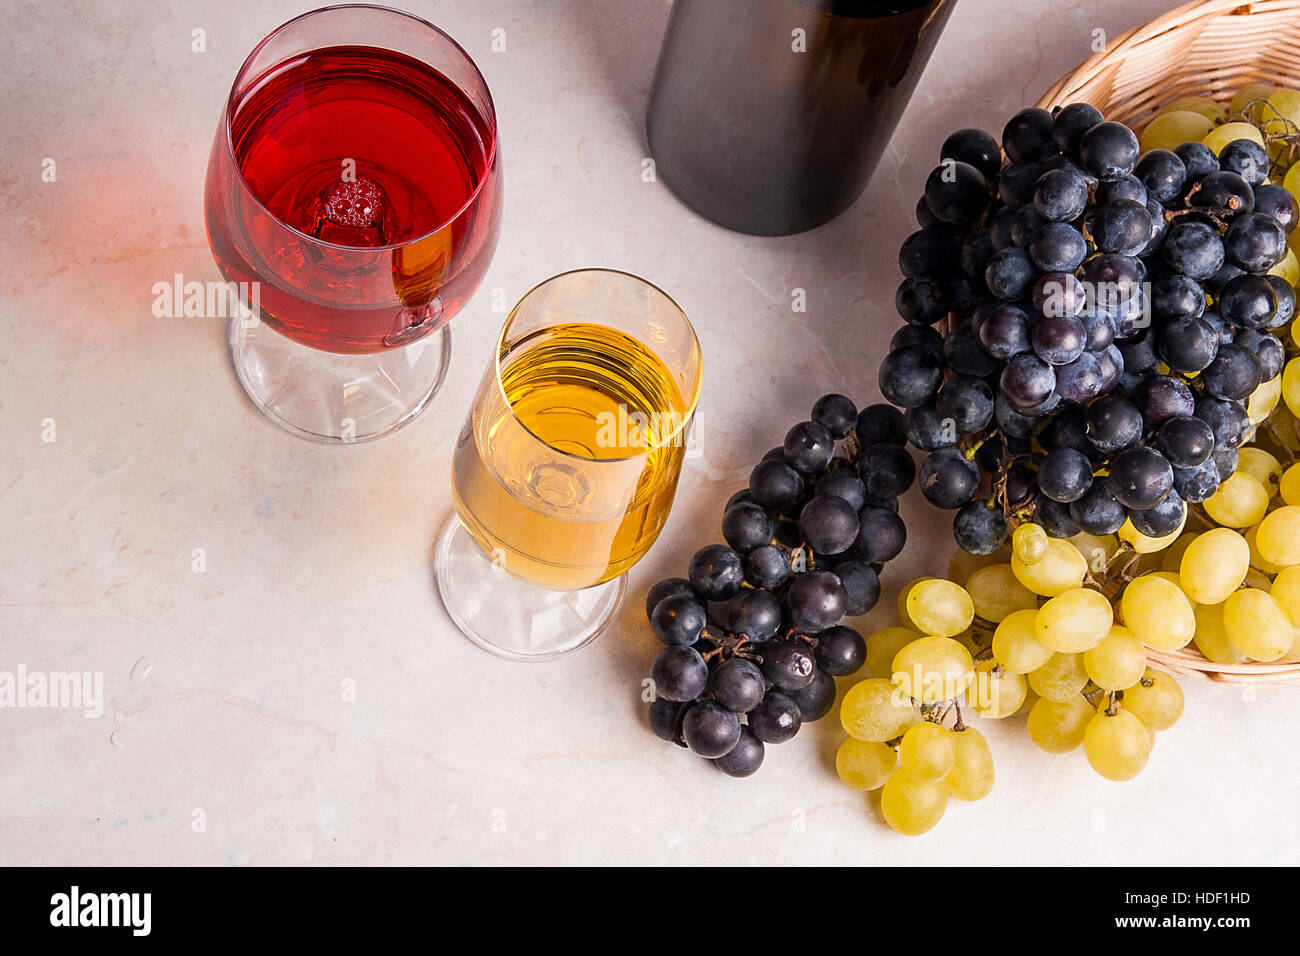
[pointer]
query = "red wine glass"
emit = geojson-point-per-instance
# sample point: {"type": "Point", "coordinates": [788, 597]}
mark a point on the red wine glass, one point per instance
{"type": "Point", "coordinates": [353, 201]}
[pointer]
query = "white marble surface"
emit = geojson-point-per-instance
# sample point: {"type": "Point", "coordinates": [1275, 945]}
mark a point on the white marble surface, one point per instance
{"type": "Point", "coordinates": [318, 559]}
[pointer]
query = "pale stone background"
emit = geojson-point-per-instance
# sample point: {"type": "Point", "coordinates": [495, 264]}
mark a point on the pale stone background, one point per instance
{"type": "Point", "coordinates": [318, 559]}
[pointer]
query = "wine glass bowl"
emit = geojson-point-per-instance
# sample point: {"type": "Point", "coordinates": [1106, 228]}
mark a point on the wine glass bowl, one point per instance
{"type": "Point", "coordinates": [355, 179]}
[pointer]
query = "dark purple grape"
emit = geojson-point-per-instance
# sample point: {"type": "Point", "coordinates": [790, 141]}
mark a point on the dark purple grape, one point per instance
{"type": "Point", "coordinates": [1223, 194]}
{"type": "Point", "coordinates": [829, 525]}
{"type": "Point", "coordinates": [716, 572]}
{"type": "Point", "coordinates": [956, 193]}
{"type": "Point", "coordinates": [1108, 150]}
{"type": "Point", "coordinates": [1285, 310]}
{"type": "Point", "coordinates": [1071, 122]}
{"type": "Point", "coordinates": [886, 469]}
{"type": "Point", "coordinates": [789, 664]}
{"type": "Point", "coordinates": [1065, 474]}
{"type": "Point", "coordinates": [1161, 520]}
{"type": "Point", "coordinates": [1098, 511]}
{"type": "Point", "coordinates": [1267, 348]}
{"type": "Point", "coordinates": [1054, 247]}
{"type": "Point", "coordinates": [881, 535]}
{"type": "Point", "coordinates": [1027, 137]}
{"type": "Point", "coordinates": [1255, 242]}
{"type": "Point", "coordinates": [710, 729]}
{"type": "Point", "coordinates": [1161, 397]}
{"type": "Point", "coordinates": [1061, 195]}
{"type": "Point", "coordinates": [663, 719]}
{"type": "Point", "coordinates": [666, 588]}
{"type": "Point", "coordinates": [1058, 294]}
{"type": "Point", "coordinates": [774, 484]}
{"type": "Point", "coordinates": [1125, 187]}
{"type": "Point", "coordinates": [1198, 160]}
{"type": "Point", "coordinates": [1058, 340]}
{"type": "Point", "coordinates": [1275, 201]}
{"type": "Point", "coordinates": [1248, 302]}
{"type": "Point", "coordinates": [840, 651]}
{"type": "Point", "coordinates": [1027, 380]}
{"type": "Point", "coordinates": [928, 252]}
{"type": "Point", "coordinates": [1176, 295]}
{"type": "Point", "coordinates": [979, 528]}
{"type": "Point", "coordinates": [679, 619]}
{"type": "Point", "coordinates": [1010, 275]}
{"type": "Point", "coordinates": [809, 447]}
{"type": "Point", "coordinates": [1139, 352]}
{"type": "Point", "coordinates": [976, 147]}
{"type": "Point", "coordinates": [836, 413]}
{"type": "Point", "coordinates": [738, 685]}
{"type": "Point", "coordinates": [1194, 249]}
{"type": "Point", "coordinates": [881, 424]}
{"type": "Point", "coordinates": [948, 479]}
{"type": "Point", "coordinates": [1197, 484]}
{"type": "Point", "coordinates": [776, 719]}
{"type": "Point", "coordinates": [744, 759]}
{"type": "Point", "coordinates": [1005, 333]}
{"type": "Point", "coordinates": [747, 525]}
{"type": "Point", "coordinates": [861, 586]}
{"type": "Point", "coordinates": [1111, 362]}
{"type": "Point", "coordinates": [922, 335]}
{"type": "Point", "coordinates": [1234, 373]}
{"type": "Point", "coordinates": [1113, 424]}
{"type": "Point", "coordinates": [767, 567]}
{"type": "Point", "coordinates": [1016, 188]}
{"type": "Point", "coordinates": [1079, 381]}
{"type": "Point", "coordinates": [1186, 441]}
{"type": "Point", "coordinates": [843, 483]}
{"type": "Point", "coordinates": [1162, 173]}
{"type": "Point", "coordinates": [1013, 422]}
{"type": "Point", "coordinates": [816, 700]}
{"type": "Point", "coordinates": [1054, 518]}
{"type": "Point", "coordinates": [1247, 159]}
{"type": "Point", "coordinates": [1228, 421]}
{"type": "Point", "coordinates": [756, 613]}
{"type": "Point", "coordinates": [1140, 477]}
{"type": "Point", "coordinates": [1123, 226]}
{"type": "Point", "coordinates": [816, 600]}
{"type": "Point", "coordinates": [967, 402]}
{"type": "Point", "coordinates": [910, 376]}
{"type": "Point", "coordinates": [679, 673]}
{"type": "Point", "coordinates": [1187, 344]}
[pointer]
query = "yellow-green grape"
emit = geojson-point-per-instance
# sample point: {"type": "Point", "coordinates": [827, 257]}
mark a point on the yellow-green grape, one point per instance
{"type": "Point", "coordinates": [940, 608]}
{"type": "Point", "coordinates": [1279, 536]}
{"type": "Point", "coordinates": [913, 806]}
{"type": "Point", "coordinates": [1029, 542]}
{"type": "Point", "coordinates": [1144, 544]}
{"type": "Point", "coordinates": [883, 646]}
{"type": "Point", "coordinates": [927, 751]}
{"type": "Point", "coordinates": [1062, 567]}
{"type": "Point", "coordinates": [1264, 399]}
{"type": "Point", "coordinates": [1214, 565]}
{"type": "Point", "coordinates": [902, 602]}
{"type": "Point", "coordinates": [1074, 621]}
{"type": "Point", "coordinates": [1172, 557]}
{"type": "Point", "coordinates": [973, 639]}
{"type": "Point", "coordinates": [1156, 700]}
{"type": "Point", "coordinates": [1211, 110]}
{"type": "Point", "coordinates": [1255, 622]}
{"type": "Point", "coordinates": [1117, 745]}
{"type": "Point", "coordinates": [1243, 102]}
{"type": "Point", "coordinates": [1291, 181]}
{"type": "Point", "coordinates": [1096, 549]}
{"type": "Point", "coordinates": [1118, 662]}
{"type": "Point", "coordinates": [1158, 612]}
{"type": "Point", "coordinates": [1290, 485]}
{"type": "Point", "coordinates": [1286, 592]}
{"type": "Point", "coordinates": [1174, 127]}
{"type": "Point", "coordinates": [865, 764]}
{"type": "Point", "coordinates": [1221, 136]}
{"type": "Point", "coordinates": [871, 711]}
{"type": "Point", "coordinates": [1293, 655]}
{"type": "Point", "coordinates": [1240, 502]}
{"type": "Point", "coordinates": [1285, 109]}
{"type": "Point", "coordinates": [963, 564]}
{"type": "Point", "coordinates": [1060, 679]}
{"type": "Point", "coordinates": [997, 593]}
{"type": "Point", "coordinates": [1059, 726]}
{"type": "Point", "coordinates": [1016, 646]}
{"type": "Point", "coordinates": [1288, 269]}
{"type": "Point", "coordinates": [1291, 371]}
{"type": "Point", "coordinates": [1212, 640]}
{"type": "Point", "coordinates": [933, 669]}
{"type": "Point", "coordinates": [1173, 578]}
{"type": "Point", "coordinates": [996, 695]}
{"type": "Point", "coordinates": [1261, 466]}
{"type": "Point", "coordinates": [1258, 560]}
{"type": "Point", "coordinates": [971, 776]}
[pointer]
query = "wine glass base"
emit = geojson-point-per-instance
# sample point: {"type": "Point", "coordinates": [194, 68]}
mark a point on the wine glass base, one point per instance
{"type": "Point", "coordinates": [328, 397]}
{"type": "Point", "coordinates": [510, 617]}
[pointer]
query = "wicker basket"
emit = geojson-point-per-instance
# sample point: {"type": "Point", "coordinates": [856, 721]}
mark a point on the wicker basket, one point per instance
{"type": "Point", "coordinates": [1211, 48]}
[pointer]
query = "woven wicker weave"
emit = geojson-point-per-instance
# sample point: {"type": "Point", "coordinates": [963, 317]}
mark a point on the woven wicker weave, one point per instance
{"type": "Point", "coordinates": [1212, 48]}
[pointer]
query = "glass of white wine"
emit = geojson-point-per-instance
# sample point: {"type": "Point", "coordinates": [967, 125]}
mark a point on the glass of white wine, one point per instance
{"type": "Point", "coordinates": [566, 467]}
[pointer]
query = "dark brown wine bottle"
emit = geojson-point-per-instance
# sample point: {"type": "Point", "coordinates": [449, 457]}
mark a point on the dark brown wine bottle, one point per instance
{"type": "Point", "coordinates": [769, 116]}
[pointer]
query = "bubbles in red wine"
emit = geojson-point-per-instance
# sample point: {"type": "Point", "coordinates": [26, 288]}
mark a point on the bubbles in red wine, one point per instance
{"type": "Point", "coordinates": [353, 212]}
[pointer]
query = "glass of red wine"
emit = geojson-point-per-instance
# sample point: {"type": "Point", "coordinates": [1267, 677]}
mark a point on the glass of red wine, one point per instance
{"type": "Point", "coordinates": [353, 200]}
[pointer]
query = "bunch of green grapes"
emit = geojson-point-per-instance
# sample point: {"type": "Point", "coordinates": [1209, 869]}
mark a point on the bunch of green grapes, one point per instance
{"type": "Point", "coordinates": [908, 735]}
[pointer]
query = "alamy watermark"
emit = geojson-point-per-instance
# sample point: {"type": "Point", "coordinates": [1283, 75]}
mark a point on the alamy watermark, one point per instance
{"type": "Point", "coordinates": [69, 690]}
{"type": "Point", "coordinates": [207, 300]}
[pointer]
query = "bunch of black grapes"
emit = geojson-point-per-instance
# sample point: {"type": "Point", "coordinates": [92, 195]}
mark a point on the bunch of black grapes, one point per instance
{"type": "Point", "coordinates": [1108, 314]}
{"type": "Point", "coordinates": [754, 630]}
